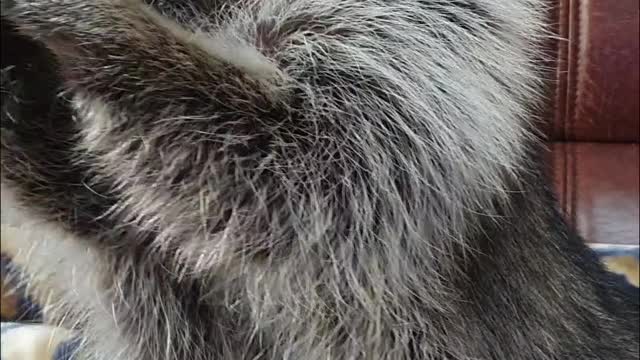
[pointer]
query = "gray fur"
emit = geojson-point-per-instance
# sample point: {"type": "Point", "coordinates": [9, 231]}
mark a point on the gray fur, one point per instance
{"type": "Point", "coordinates": [305, 179]}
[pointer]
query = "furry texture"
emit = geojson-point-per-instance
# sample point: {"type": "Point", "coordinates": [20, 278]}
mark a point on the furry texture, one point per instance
{"type": "Point", "coordinates": [302, 179]}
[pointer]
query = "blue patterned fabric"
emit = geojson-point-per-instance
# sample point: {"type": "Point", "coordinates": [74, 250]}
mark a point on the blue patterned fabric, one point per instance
{"type": "Point", "coordinates": [16, 304]}
{"type": "Point", "coordinates": [617, 251]}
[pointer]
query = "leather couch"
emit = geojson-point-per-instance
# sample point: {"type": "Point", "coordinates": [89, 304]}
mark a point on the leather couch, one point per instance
{"type": "Point", "coordinates": [593, 123]}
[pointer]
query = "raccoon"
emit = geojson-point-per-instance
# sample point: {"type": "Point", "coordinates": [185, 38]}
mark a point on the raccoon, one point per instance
{"type": "Point", "coordinates": [295, 179]}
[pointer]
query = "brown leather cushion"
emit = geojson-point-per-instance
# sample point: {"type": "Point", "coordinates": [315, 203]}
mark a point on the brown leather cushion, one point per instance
{"type": "Point", "coordinates": [598, 188]}
{"type": "Point", "coordinates": [596, 71]}
{"type": "Point", "coordinates": [594, 106]}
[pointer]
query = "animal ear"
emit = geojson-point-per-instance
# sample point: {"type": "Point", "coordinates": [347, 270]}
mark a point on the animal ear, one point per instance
{"type": "Point", "coordinates": [124, 50]}
{"type": "Point", "coordinates": [43, 21]}
{"type": "Point", "coordinates": [93, 40]}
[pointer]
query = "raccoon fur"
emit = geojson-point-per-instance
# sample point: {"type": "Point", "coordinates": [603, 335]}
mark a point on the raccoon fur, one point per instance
{"type": "Point", "coordinates": [295, 179]}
